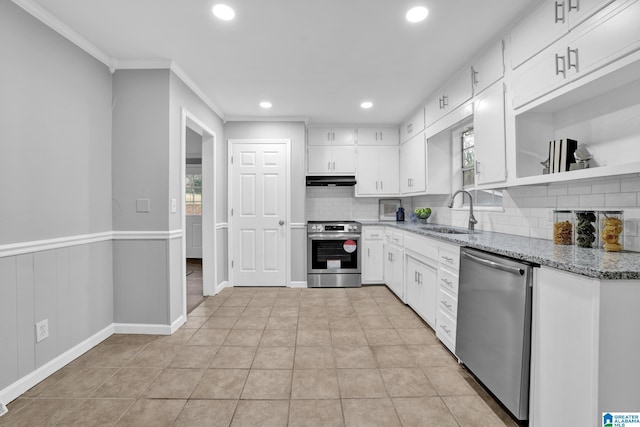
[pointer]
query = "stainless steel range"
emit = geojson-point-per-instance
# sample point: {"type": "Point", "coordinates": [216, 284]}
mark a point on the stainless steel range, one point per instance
{"type": "Point", "coordinates": [333, 254]}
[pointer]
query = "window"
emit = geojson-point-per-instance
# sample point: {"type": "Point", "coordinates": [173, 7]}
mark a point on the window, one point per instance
{"type": "Point", "coordinates": [193, 198]}
{"type": "Point", "coordinates": [480, 197]}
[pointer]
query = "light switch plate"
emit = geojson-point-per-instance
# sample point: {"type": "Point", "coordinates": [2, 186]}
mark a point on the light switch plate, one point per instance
{"type": "Point", "coordinates": [143, 205]}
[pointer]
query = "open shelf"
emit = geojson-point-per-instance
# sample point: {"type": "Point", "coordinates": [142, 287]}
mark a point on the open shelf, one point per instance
{"type": "Point", "coordinates": [603, 114]}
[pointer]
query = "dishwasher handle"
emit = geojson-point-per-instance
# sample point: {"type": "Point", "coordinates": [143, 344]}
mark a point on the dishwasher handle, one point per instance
{"type": "Point", "coordinates": [492, 264]}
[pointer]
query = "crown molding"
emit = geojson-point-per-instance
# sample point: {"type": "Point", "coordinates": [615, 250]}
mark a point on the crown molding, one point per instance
{"type": "Point", "coordinates": [112, 63]}
{"type": "Point", "coordinates": [267, 119]}
{"type": "Point", "coordinates": [55, 24]}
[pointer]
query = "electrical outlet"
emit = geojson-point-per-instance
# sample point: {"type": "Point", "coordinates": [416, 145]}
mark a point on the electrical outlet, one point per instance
{"type": "Point", "coordinates": [42, 330]}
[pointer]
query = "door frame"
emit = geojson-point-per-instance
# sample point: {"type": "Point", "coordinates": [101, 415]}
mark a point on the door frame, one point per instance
{"type": "Point", "coordinates": [209, 238]}
{"type": "Point", "coordinates": [287, 143]}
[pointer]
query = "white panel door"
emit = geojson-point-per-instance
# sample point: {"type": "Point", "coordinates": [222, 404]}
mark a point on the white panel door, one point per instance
{"type": "Point", "coordinates": [258, 215]}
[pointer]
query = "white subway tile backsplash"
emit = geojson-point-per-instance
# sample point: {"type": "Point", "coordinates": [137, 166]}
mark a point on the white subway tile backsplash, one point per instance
{"type": "Point", "coordinates": [568, 202]}
{"type": "Point", "coordinates": [629, 184]}
{"type": "Point", "coordinates": [592, 201]}
{"type": "Point", "coordinates": [579, 188]}
{"type": "Point", "coordinates": [606, 187]}
{"type": "Point", "coordinates": [558, 190]}
{"type": "Point", "coordinates": [621, 200]}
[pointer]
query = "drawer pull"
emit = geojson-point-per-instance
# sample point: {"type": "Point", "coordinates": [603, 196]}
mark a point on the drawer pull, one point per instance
{"type": "Point", "coordinates": [446, 330]}
{"type": "Point", "coordinates": [448, 259]}
{"type": "Point", "coordinates": [447, 282]}
{"type": "Point", "coordinates": [446, 305]}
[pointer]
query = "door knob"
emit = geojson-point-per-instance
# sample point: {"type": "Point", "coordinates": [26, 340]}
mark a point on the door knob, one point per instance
{"type": "Point", "coordinates": [281, 222]}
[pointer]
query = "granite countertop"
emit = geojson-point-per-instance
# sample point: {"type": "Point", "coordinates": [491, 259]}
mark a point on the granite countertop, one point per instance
{"type": "Point", "coordinates": [594, 263]}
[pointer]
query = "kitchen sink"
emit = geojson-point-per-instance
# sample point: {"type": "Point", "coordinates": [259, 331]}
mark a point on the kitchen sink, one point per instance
{"type": "Point", "coordinates": [446, 230]}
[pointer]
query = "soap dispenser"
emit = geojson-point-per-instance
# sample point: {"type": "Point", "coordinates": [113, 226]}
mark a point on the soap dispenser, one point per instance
{"type": "Point", "coordinates": [400, 214]}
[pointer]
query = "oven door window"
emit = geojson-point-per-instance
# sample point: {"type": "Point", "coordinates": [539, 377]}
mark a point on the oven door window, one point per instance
{"type": "Point", "coordinates": [334, 255]}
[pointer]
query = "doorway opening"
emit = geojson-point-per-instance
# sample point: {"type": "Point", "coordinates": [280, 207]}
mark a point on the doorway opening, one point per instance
{"type": "Point", "coordinates": [198, 207]}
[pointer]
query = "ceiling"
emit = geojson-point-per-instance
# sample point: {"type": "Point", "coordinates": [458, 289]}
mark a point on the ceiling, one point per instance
{"type": "Point", "coordinates": [317, 59]}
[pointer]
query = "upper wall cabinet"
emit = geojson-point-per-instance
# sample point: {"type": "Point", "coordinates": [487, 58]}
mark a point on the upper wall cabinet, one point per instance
{"type": "Point", "coordinates": [548, 22]}
{"type": "Point", "coordinates": [331, 160]}
{"type": "Point", "coordinates": [377, 171]}
{"type": "Point", "coordinates": [608, 36]}
{"type": "Point", "coordinates": [488, 68]}
{"type": "Point", "coordinates": [378, 136]}
{"type": "Point", "coordinates": [449, 97]}
{"type": "Point", "coordinates": [489, 130]}
{"type": "Point", "coordinates": [331, 136]}
{"type": "Point", "coordinates": [413, 126]}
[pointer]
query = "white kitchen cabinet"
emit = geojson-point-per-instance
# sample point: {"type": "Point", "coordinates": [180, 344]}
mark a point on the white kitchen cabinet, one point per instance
{"type": "Point", "coordinates": [331, 160]}
{"type": "Point", "coordinates": [377, 171]}
{"type": "Point", "coordinates": [584, 348]}
{"type": "Point", "coordinates": [393, 262]}
{"type": "Point", "coordinates": [378, 136]}
{"type": "Point", "coordinates": [606, 37]}
{"type": "Point", "coordinates": [447, 311]}
{"type": "Point", "coordinates": [413, 126]}
{"type": "Point", "coordinates": [372, 255]}
{"type": "Point", "coordinates": [331, 136]}
{"type": "Point", "coordinates": [489, 131]}
{"type": "Point", "coordinates": [421, 276]}
{"type": "Point", "coordinates": [488, 68]}
{"type": "Point", "coordinates": [448, 98]}
{"type": "Point", "coordinates": [413, 166]}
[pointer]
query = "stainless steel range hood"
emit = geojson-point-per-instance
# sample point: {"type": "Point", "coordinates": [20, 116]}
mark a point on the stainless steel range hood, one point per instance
{"type": "Point", "coordinates": [330, 181]}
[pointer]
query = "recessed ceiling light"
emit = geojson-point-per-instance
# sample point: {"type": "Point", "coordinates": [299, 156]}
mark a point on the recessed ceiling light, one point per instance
{"type": "Point", "coordinates": [224, 12]}
{"type": "Point", "coordinates": [265, 104]}
{"type": "Point", "coordinates": [366, 105]}
{"type": "Point", "coordinates": [417, 14]}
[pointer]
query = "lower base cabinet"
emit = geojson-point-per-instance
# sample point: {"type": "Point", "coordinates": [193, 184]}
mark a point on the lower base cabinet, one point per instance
{"type": "Point", "coordinates": [372, 255]}
{"type": "Point", "coordinates": [421, 280]}
{"type": "Point", "coordinates": [584, 349]}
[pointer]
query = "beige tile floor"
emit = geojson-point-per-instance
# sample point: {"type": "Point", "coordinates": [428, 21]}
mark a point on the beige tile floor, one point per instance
{"type": "Point", "coordinates": [269, 357]}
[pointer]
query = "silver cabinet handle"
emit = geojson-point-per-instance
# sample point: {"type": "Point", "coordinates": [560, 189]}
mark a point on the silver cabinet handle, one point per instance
{"type": "Point", "coordinates": [445, 101]}
{"type": "Point", "coordinates": [447, 282]}
{"type": "Point", "coordinates": [445, 304]}
{"type": "Point", "coordinates": [376, 185]}
{"type": "Point", "coordinates": [409, 127]}
{"type": "Point", "coordinates": [334, 165]}
{"type": "Point", "coordinates": [474, 77]}
{"type": "Point", "coordinates": [381, 136]}
{"type": "Point", "coordinates": [369, 252]}
{"type": "Point", "coordinates": [328, 136]}
{"type": "Point", "coordinates": [415, 276]}
{"type": "Point", "coordinates": [559, 6]}
{"type": "Point", "coordinates": [329, 166]}
{"type": "Point", "coordinates": [575, 54]}
{"type": "Point", "coordinates": [374, 235]}
{"type": "Point", "coordinates": [382, 185]}
{"type": "Point", "coordinates": [333, 136]}
{"type": "Point", "coordinates": [558, 69]}
{"type": "Point", "coordinates": [477, 163]}
{"type": "Point", "coordinates": [575, 7]}
{"type": "Point", "coordinates": [445, 329]}
{"type": "Point", "coordinates": [446, 258]}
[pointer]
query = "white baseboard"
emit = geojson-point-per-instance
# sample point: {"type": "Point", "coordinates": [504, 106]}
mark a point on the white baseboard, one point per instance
{"type": "Point", "coordinates": [221, 286]}
{"type": "Point", "coordinates": [142, 329]}
{"type": "Point", "coordinates": [14, 390]}
{"type": "Point", "coordinates": [176, 325]}
{"type": "Point", "coordinates": [298, 284]}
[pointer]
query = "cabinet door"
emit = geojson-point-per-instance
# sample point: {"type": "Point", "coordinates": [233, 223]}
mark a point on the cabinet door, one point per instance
{"type": "Point", "coordinates": [420, 286]}
{"type": "Point", "coordinates": [413, 126]}
{"type": "Point", "coordinates": [580, 10]}
{"type": "Point", "coordinates": [343, 136]}
{"type": "Point", "coordinates": [413, 166]}
{"type": "Point", "coordinates": [458, 91]}
{"type": "Point", "coordinates": [541, 27]}
{"type": "Point", "coordinates": [540, 75]}
{"type": "Point", "coordinates": [368, 179]}
{"type": "Point", "coordinates": [378, 136]}
{"type": "Point", "coordinates": [433, 109]}
{"type": "Point", "coordinates": [343, 160]}
{"type": "Point", "coordinates": [319, 136]}
{"type": "Point", "coordinates": [388, 169]}
{"type": "Point", "coordinates": [602, 43]}
{"type": "Point", "coordinates": [489, 130]}
{"type": "Point", "coordinates": [318, 160]}
{"type": "Point", "coordinates": [488, 68]}
{"type": "Point", "coordinates": [372, 265]}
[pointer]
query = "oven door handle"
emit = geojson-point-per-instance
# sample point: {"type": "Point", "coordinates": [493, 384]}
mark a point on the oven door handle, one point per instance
{"type": "Point", "coordinates": [336, 237]}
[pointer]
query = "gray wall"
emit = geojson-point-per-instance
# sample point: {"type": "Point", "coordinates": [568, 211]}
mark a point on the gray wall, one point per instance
{"type": "Point", "coordinates": [295, 131]}
{"type": "Point", "coordinates": [55, 134]}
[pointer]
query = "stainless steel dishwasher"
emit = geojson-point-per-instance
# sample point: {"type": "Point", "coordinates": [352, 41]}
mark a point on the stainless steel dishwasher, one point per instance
{"type": "Point", "coordinates": [493, 337]}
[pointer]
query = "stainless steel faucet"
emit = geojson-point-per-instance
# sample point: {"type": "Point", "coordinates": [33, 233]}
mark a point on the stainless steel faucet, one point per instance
{"type": "Point", "coordinates": [472, 219]}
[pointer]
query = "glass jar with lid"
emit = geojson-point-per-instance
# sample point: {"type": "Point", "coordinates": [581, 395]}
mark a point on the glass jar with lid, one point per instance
{"type": "Point", "coordinates": [562, 227]}
{"type": "Point", "coordinates": [611, 230]}
{"type": "Point", "coordinates": [585, 226]}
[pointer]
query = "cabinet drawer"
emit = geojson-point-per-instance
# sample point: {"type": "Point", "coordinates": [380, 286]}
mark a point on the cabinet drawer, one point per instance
{"type": "Point", "coordinates": [373, 233]}
{"type": "Point", "coordinates": [450, 256]}
{"type": "Point", "coordinates": [395, 238]}
{"type": "Point", "coordinates": [448, 281]}
{"type": "Point", "coordinates": [448, 303]}
{"type": "Point", "coordinates": [422, 246]}
{"type": "Point", "coordinates": [445, 328]}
